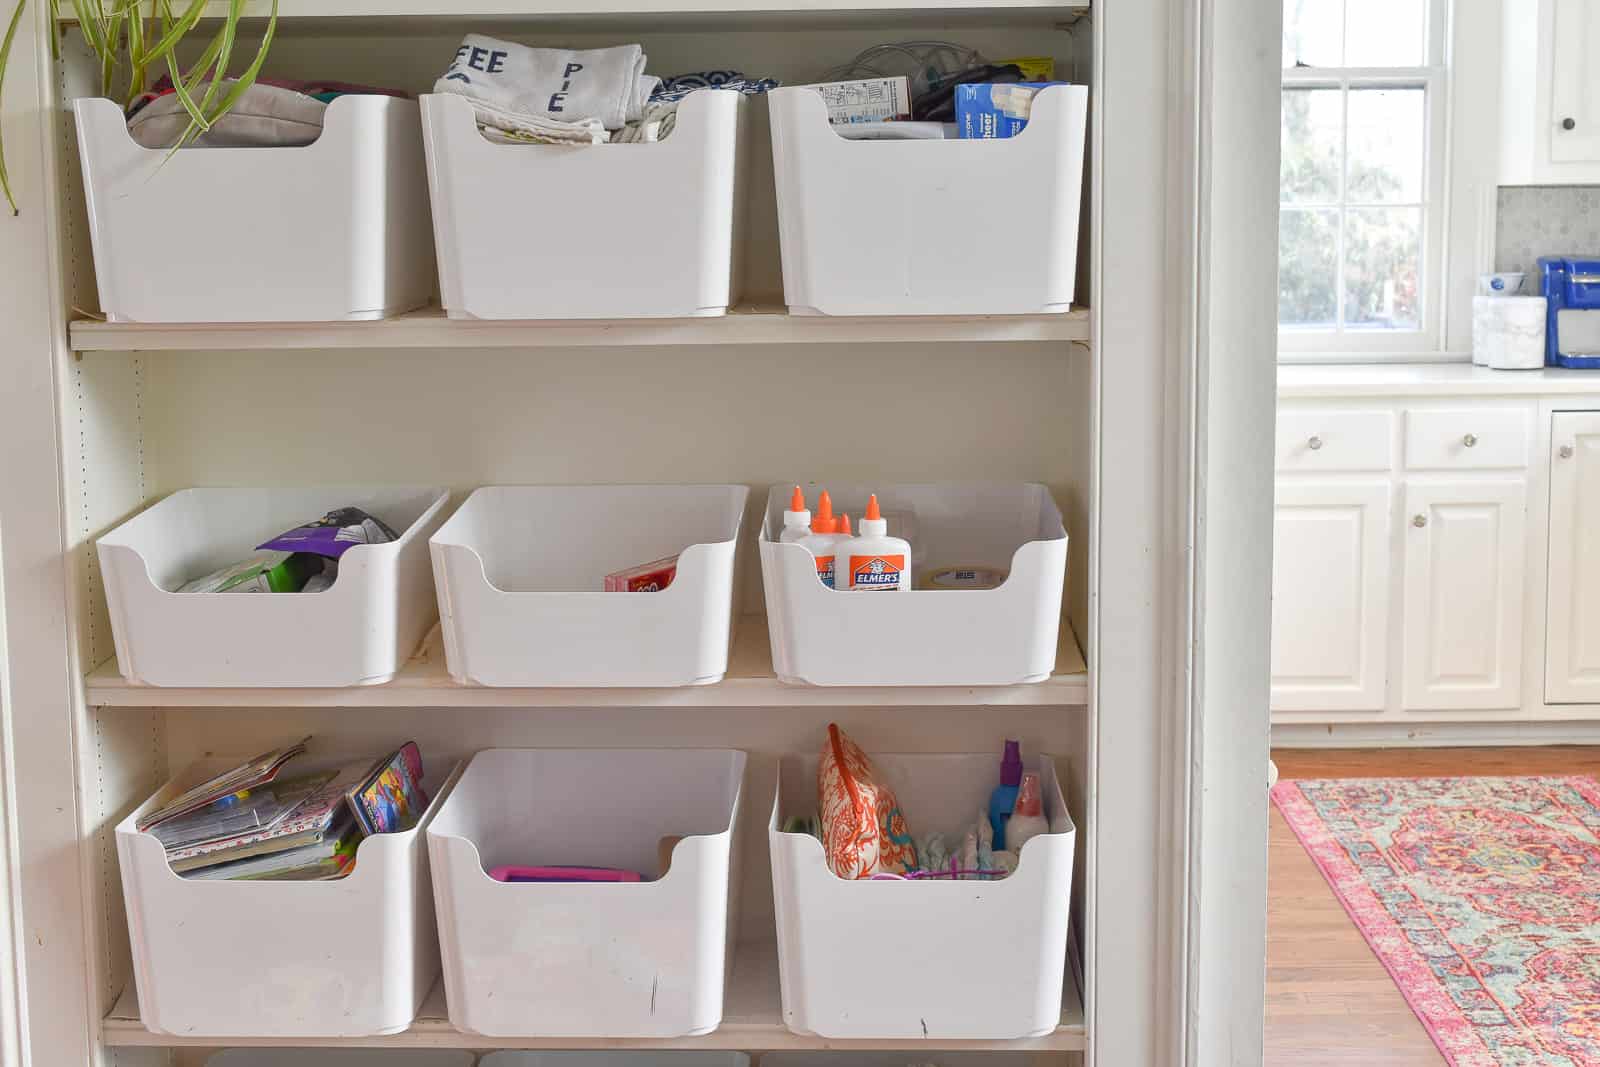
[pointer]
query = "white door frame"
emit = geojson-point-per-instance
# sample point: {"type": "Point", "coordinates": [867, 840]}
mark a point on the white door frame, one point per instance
{"type": "Point", "coordinates": [1186, 132]}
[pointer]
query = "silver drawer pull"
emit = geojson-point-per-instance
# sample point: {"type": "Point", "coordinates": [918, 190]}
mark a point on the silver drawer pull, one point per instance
{"type": "Point", "coordinates": [1470, 440]}
{"type": "Point", "coordinates": [1315, 443]}
{"type": "Point", "coordinates": [1419, 521]}
{"type": "Point", "coordinates": [1566, 452]}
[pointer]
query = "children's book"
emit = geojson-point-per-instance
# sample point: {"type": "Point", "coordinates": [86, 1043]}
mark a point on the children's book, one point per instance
{"type": "Point", "coordinates": [391, 797]}
{"type": "Point", "coordinates": [311, 817]}
{"type": "Point", "coordinates": [331, 858]}
{"type": "Point", "coordinates": [264, 768]}
{"type": "Point", "coordinates": [250, 811]}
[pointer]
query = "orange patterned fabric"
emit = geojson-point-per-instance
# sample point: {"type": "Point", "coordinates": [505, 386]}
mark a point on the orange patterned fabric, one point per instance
{"type": "Point", "coordinates": [863, 830]}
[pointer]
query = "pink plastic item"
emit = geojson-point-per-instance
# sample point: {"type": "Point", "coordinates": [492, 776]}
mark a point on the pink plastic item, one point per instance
{"type": "Point", "coordinates": [563, 874]}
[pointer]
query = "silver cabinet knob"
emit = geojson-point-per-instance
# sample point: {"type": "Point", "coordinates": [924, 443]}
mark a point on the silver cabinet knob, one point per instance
{"type": "Point", "coordinates": [1470, 440]}
{"type": "Point", "coordinates": [1315, 443]}
{"type": "Point", "coordinates": [1419, 521]}
{"type": "Point", "coordinates": [1565, 452]}
{"type": "Point", "coordinates": [1569, 124]}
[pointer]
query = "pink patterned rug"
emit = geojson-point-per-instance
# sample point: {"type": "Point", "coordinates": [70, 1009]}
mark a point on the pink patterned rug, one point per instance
{"type": "Point", "coordinates": [1482, 898]}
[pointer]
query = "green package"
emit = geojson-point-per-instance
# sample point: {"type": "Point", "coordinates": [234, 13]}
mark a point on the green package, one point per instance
{"type": "Point", "coordinates": [264, 572]}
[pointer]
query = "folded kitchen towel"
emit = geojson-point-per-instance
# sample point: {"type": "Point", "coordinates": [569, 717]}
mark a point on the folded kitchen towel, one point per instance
{"type": "Point", "coordinates": [549, 85]}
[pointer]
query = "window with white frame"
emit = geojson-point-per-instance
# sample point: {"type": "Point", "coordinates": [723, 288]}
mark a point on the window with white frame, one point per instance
{"type": "Point", "coordinates": [1362, 182]}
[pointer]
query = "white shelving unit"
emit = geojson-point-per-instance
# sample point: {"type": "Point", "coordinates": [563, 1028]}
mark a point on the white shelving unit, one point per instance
{"type": "Point", "coordinates": [1107, 405]}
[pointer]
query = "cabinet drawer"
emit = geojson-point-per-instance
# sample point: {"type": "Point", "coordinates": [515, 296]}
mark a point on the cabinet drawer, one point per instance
{"type": "Point", "coordinates": [1334, 439]}
{"type": "Point", "coordinates": [1467, 439]}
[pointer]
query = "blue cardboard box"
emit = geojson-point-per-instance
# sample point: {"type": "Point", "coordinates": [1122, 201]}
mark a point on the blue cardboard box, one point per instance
{"type": "Point", "coordinates": [986, 110]}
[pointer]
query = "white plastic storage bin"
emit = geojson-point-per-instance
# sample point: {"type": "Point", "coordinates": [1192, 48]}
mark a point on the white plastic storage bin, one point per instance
{"type": "Point", "coordinates": [643, 959]}
{"type": "Point", "coordinates": [958, 227]}
{"type": "Point", "coordinates": [655, 1058]}
{"type": "Point", "coordinates": [586, 231]}
{"type": "Point", "coordinates": [953, 960]}
{"type": "Point", "coordinates": [337, 229]}
{"type": "Point", "coordinates": [343, 1057]}
{"type": "Point", "coordinates": [823, 636]}
{"type": "Point", "coordinates": [351, 957]}
{"type": "Point", "coordinates": [887, 1058]}
{"type": "Point", "coordinates": [358, 632]}
{"type": "Point", "coordinates": [521, 573]}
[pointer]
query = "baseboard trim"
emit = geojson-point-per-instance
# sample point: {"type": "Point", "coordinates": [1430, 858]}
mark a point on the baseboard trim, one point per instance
{"type": "Point", "coordinates": [1432, 735]}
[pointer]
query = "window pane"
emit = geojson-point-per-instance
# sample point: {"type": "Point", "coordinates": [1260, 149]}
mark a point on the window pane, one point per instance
{"type": "Point", "coordinates": [1385, 145]}
{"type": "Point", "coordinates": [1313, 32]}
{"type": "Point", "coordinates": [1386, 33]}
{"type": "Point", "coordinates": [1309, 162]}
{"type": "Point", "coordinates": [1382, 260]}
{"type": "Point", "coordinates": [1308, 255]}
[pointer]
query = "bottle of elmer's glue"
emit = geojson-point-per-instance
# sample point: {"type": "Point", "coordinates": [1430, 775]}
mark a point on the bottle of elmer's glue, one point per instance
{"type": "Point", "coordinates": [823, 538]}
{"type": "Point", "coordinates": [797, 520]}
{"type": "Point", "coordinates": [873, 559]}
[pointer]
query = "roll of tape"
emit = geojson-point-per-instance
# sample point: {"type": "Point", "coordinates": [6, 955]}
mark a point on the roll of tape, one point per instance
{"type": "Point", "coordinates": [976, 576]}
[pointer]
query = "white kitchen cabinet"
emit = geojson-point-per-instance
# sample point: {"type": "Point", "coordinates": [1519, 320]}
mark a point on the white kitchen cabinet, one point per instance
{"type": "Point", "coordinates": [1330, 595]}
{"type": "Point", "coordinates": [1550, 92]}
{"type": "Point", "coordinates": [1492, 627]}
{"type": "Point", "coordinates": [1575, 83]}
{"type": "Point", "coordinates": [1572, 610]}
{"type": "Point", "coordinates": [1464, 554]}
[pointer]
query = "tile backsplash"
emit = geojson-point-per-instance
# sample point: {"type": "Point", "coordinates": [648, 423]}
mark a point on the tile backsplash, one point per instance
{"type": "Point", "coordinates": [1542, 220]}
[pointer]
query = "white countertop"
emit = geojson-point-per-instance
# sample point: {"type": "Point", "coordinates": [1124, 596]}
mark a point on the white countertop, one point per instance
{"type": "Point", "coordinates": [1431, 379]}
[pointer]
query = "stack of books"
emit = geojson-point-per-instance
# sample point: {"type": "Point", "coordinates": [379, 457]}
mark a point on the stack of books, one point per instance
{"type": "Point", "coordinates": [256, 822]}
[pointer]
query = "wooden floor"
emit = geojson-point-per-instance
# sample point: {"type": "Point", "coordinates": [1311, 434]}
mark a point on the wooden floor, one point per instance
{"type": "Point", "coordinates": [1329, 1000]}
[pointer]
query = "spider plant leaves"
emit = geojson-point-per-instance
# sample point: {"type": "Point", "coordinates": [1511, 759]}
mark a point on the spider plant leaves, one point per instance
{"type": "Point", "coordinates": [253, 71]}
{"type": "Point", "coordinates": [242, 82]}
{"type": "Point", "coordinates": [5, 55]}
{"type": "Point", "coordinates": [136, 56]}
{"type": "Point", "coordinates": [227, 35]}
{"type": "Point", "coordinates": [173, 32]}
{"type": "Point", "coordinates": [113, 49]}
{"type": "Point", "coordinates": [125, 33]}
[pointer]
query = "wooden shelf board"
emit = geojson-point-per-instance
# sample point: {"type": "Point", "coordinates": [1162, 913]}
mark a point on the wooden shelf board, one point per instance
{"type": "Point", "coordinates": [424, 682]}
{"type": "Point", "coordinates": [752, 1022]}
{"type": "Point", "coordinates": [429, 328]}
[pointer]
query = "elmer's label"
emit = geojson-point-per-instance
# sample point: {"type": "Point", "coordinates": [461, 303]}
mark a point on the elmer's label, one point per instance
{"type": "Point", "coordinates": [876, 572]}
{"type": "Point", "coordinates": [825, 570]}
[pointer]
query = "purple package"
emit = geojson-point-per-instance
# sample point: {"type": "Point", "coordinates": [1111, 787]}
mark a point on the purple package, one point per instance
{"type": "Point", "coordinates": [333, 534]}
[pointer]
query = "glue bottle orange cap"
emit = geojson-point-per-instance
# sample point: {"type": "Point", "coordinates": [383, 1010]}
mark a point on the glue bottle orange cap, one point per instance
{"type": "Point", "coordinates": [797, 520]}
{"type": "Point", "coordinates": [873, 523]}
{"type": "Point", "coordinates": [843, 527]}
{"type": "Point", "coordinates": [824, 523]}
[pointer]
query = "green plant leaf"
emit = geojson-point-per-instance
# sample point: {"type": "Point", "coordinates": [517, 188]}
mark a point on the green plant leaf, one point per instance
{"type": "Point", "coordinates": [138, 59]}
{"type": "Point", "coordinates": [177, 31]}
{"type": "Point", "coordinates": [228, 34]}
{"type": "Point", "coordinates": [197, 118]}
{"type": "Point", "coordinates": [108, 57]}
{"type": "Point", "coordinates": [91, 24]}
{"type": "Point", "coordinates": [248, 77]}
{"type": "Point", "coordinates": [5, 56]}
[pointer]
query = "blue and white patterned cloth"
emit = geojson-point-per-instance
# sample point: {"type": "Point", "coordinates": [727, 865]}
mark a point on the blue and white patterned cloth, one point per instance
{"type": "Point", "coordinates": [681, 85]}
{"type": "Point", "coordinates": [661, 113]}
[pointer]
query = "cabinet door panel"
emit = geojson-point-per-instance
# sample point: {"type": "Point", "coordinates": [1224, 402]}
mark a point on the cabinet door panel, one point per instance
{"type": "Point", "coordinates": [1575, 83]}
{"type": "Point", "coordinates": [1330, 596]}
{"type": "Point", "coordinates": [1572, 614]}
{"type": "Point", "coordinates": [1464, 570]}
